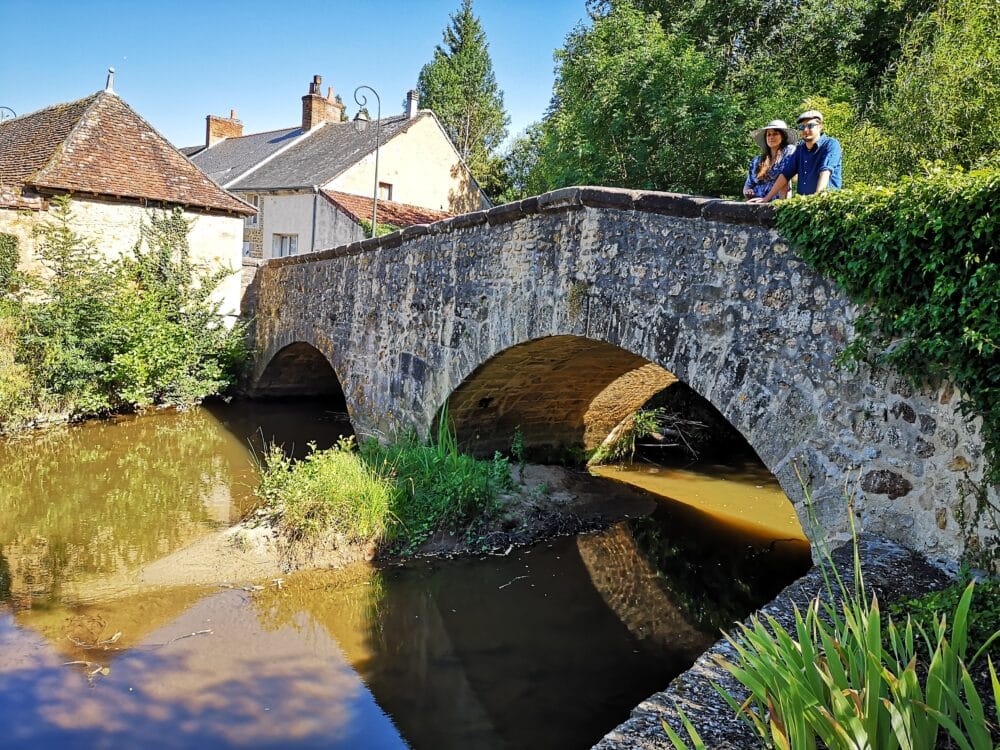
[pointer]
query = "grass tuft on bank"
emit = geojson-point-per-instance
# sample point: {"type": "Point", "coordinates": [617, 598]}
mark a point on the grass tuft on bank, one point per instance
{"type": "Point", "coordinates": [395, 496]}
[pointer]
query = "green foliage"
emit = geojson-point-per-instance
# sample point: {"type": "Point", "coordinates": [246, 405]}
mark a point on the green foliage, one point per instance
{"type": "Point", "coordinates": [398, 494]}
{"type": "Point", "coordinates": [942, 101]}
{"type": "Point", "coordinates": [900, 82]}
{"type": "Point", "coordinates": [8, 262]}
{"type": "Point", "coordinates": [637, 107]}
{"type": "Point", "coordinates": [643, 423]}
{"type": "Point", "coordinates": [96, 336]}
{"type": "Point", "coordinates": [458, 84]}
{"type": "Point", "coordinates": [366, 226]}
{"type": "Point", "coordinates": [329, 491]}
{"type": "Point", "coordinates": [984, 614]}
{"type": "Point", "coordinates": [441, 488]}
{"type": "Point", "coordinates": [922, 257]}
{"type": "Point", "coordinates": [844, 678]}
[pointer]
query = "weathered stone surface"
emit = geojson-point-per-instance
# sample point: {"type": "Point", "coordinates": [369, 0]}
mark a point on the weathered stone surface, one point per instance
{"type": "Point", "coordinates": [524, 324]}
{"type": "Point", "coordinates": [885, 482]}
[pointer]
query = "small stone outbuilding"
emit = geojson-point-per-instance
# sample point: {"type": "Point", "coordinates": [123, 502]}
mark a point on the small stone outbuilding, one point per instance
{"type": "Point", "coordinates": [117, 169]}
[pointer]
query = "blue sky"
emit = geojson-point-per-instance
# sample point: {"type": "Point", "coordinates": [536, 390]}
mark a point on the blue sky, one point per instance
{"type": "Point", "coordinates": [179, 61]}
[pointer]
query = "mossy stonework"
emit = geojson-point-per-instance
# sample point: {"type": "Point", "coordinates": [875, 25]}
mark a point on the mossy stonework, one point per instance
{"type": "Point", "coordinates": [522, 316]}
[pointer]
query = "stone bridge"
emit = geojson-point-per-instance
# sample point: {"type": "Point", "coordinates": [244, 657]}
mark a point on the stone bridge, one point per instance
{"type": "Point", "coordinates": [559, 315]}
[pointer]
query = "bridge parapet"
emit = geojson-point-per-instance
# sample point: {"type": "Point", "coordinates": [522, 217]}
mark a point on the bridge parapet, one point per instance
{"type": "Point", "coordinates": [521, 316]}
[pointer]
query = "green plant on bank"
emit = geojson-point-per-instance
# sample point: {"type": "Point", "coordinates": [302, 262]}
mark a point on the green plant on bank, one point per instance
{"type": "Point", "coordinates": [441, 487]}
{"type": "Point", "coordinates": [517, 450]}
{"type": "Point", "coordinates": [644, 423]}
{"type": "Point", "coordinates": [92, 336]}
{"type": "Point", "coordinates": [397, 494]}
{"type": "Point", "coordinates": [984, 613]}
{"type": "Point", "coordinates": [9, 256]}
{"type": "Point", "coordinates": [921, 257]}
{"type": "Point", "coordinates": [848, 679]}
{"type": "Point", "coordinates": [331, 490]}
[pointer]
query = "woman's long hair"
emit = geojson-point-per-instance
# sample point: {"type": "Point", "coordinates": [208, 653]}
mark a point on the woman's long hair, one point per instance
{"type": "Point", "coordinates": [766, 162]}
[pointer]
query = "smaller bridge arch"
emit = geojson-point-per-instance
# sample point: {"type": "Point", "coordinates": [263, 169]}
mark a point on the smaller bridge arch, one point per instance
{"type": "Point", "coordinates": [298, 369]}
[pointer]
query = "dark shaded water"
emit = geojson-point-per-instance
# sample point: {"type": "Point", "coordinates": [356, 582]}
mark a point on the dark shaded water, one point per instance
{"type": "Point", "coordinates": [547, 647]}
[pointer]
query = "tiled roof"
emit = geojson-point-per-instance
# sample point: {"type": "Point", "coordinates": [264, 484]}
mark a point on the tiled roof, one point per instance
{"type": "Point", "coordinates": [99, 145]}
{"type": "Point", "coordinates": [389, 212]}
{"type": "Point", "coordinates": [228, 159]}
{"type": "Point", "coordinates": [321, 156]}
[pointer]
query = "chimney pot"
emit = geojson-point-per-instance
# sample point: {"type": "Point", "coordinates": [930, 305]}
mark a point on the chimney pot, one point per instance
{"type": "Point", "coordinates": [412, 103]}
{"type": "Point", "coordinates": [219, 128]}
{"type": "Point", "coordinates": [317, 109]}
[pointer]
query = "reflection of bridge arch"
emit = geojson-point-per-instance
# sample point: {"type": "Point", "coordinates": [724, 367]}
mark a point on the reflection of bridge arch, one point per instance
{"type": "Point", "coordinates": [702, 289]}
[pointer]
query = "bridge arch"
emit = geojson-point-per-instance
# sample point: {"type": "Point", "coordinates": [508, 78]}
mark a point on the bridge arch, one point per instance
{"type": "Point", "coordinates": [706, 290]}
{"type": "Point", "coordinates": [297, 369]}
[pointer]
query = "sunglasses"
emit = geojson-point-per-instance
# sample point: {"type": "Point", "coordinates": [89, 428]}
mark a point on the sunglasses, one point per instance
{"type": "Point", "coordinates": [808, 125]}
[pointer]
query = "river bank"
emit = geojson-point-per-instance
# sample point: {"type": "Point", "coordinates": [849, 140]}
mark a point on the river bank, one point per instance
{"type": "Point", "coordinates": [548, 502]}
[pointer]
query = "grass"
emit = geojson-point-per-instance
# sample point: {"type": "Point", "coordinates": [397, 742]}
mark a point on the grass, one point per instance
{"type": "Point", "coordinates": [844, 678]}
{"type": "Point", "coordinates": [328, 491]}
{"type": "Point", "coordinates": [395, 496]}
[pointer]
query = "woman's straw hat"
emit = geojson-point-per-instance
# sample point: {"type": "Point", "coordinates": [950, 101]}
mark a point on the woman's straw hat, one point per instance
{"type": "Point", "coordinates": [760, 140]}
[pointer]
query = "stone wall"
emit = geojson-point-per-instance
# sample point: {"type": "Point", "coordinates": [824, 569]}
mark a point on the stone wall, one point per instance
{"type": "Point", "coordinates": [524, 314]}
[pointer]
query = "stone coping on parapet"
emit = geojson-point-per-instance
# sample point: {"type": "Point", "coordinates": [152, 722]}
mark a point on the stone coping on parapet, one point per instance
{"type": "Point", "coordinates": [571, 198]}
{"type": "Point", "coordinates": [891, 572]}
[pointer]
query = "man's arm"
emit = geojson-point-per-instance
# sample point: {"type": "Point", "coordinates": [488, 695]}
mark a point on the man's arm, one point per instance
{"type": "Point", "coordinates": [823, 181]}
{"type": "Point", "coordinates": [780, 186]}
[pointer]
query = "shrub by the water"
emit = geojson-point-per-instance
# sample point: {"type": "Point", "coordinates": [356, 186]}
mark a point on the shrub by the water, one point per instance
{"type": "Point", "coordinates": [922, 257]}
{"type": "Point", "coordinates": [394, 495]}
{"type": "Point", "coordinates": [92, 336]}
{"type": "Point", "coordinates": [331, 490]}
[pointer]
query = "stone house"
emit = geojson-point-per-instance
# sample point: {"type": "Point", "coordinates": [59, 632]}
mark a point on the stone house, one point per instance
{"type": "Point", "coordinates": [117, 169]}
{"type": "Point", "coordinates": [292, 176]}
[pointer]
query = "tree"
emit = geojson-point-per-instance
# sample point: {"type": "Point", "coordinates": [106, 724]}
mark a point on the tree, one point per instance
{"type": "Point", "coordinates": [635, 106]}
{"type": "Point", "coordinates": [459, 85]}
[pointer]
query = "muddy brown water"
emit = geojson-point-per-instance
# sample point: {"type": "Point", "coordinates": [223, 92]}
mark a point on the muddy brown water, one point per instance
{"type": "Point", "coordinates": [549, 646]}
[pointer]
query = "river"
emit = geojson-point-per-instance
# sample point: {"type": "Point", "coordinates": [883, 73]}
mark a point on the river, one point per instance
{"type": "Point", "coordinates": [548, 646]}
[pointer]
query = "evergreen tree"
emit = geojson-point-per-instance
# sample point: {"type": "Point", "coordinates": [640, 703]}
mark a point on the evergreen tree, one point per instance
{"type": "Point", "coordinates": [459, 85]}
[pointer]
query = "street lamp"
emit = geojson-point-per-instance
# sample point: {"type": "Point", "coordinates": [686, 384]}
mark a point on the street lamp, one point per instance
{"type": "Point", "coordinates": [360, 125]}
{"type": "Point", "coordinates": [6, 112]}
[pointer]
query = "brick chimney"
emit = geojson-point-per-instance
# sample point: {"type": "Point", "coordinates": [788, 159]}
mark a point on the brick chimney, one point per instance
{"type": "Point", "coordinates": [317, 109]}
{"type": "Point", "coordinates": [412, 103]}
{"type": "Point", "coordinates": [219, 128]}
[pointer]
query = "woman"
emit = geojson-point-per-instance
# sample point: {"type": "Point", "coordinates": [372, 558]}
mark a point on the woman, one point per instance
{"type": "Point", "coordinates": [777, 143]}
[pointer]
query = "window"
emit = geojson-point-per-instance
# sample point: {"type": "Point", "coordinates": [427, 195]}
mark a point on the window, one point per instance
{"type": "Point", "coordinates": [284, 244]}
{"type": "Point", "coordinates": [246, 248]}
{"type": "Point", "coordinates": [385, 191]}
{"type": "Point", "coordinates": [251, 221]}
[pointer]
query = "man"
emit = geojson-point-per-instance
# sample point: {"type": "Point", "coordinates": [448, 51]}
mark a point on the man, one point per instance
{"type": "Point", "coordinates": [817, 161]}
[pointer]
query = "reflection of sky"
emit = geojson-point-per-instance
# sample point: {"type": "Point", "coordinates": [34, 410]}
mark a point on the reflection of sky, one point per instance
{"type": "Point", "coordinates": [239, 686]}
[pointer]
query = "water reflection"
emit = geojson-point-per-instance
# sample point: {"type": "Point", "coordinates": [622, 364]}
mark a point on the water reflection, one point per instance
{"type": "Point", "coordinates": [239, 684]}
{"type": "Point", "coordinates": [106, 497]}
{"type": "Point", "coordinates": [547, 647]}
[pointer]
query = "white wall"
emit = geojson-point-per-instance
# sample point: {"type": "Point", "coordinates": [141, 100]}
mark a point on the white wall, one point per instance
{"type": "Point", "coordinates": [113, 228]}
{"type": "Point", "coordinates": [423, 169]}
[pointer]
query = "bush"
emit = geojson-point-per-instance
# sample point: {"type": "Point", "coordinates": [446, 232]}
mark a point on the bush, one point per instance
{"type": "Point", "coordinates": [921, 257]}
{"type": "Point", "coordinates": [398, 494]}
{"type": "Point", "coordinates": [8, 262]}
{"type": "Point", "coordinates": [984, 614]}
{"type": "Point", "coordinates": [331, 490]}
{"type": "Point", "coordinates": [97, 336]}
